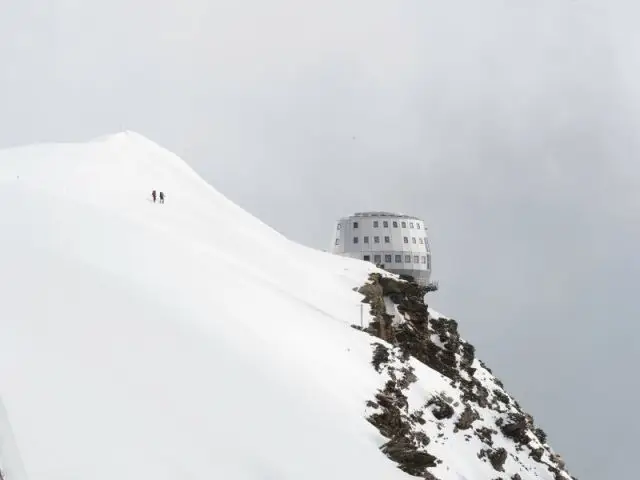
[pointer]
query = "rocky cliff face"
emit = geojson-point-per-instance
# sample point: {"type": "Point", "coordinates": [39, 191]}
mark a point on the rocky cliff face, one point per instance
{"type": "Point", "coordinates": [474, 407]}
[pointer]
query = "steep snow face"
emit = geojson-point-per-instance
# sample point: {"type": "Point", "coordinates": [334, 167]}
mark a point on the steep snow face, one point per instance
{"type": "Point", "coordinates": [140, 340]}
{"type": "Point", "coordinates": [183, 340]}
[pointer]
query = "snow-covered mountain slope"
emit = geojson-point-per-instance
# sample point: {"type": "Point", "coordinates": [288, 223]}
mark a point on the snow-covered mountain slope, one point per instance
{"type": "Point", "coordinates": [190, 340]}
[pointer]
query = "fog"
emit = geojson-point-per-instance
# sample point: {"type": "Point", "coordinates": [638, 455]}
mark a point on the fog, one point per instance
{"type": "Point", "coordinates": [508, 126]}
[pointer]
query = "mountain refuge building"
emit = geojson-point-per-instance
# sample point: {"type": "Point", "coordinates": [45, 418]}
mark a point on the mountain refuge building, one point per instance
{"type": "Point", "coordinates": [395, 242]}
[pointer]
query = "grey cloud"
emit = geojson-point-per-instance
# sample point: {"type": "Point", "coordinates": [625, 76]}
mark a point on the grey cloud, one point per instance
{"type": "Point", "coordinates": [508, 126]}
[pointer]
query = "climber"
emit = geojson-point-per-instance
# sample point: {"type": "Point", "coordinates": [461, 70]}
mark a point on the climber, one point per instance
{"type": "Point", "coordinates": [161, 197]}
{"type": "Point", "coordinates": [153, 194]}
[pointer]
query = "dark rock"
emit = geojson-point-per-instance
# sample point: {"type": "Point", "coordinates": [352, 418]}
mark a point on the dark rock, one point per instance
{"type": "Point", "coordinates": [406, 443]}
{"type": "Point", "coordinates": [408, 377]}
{"type": "Point", "coordinates": [517, 429]}
{"type": "Point", "coordinates": [497, 459]}
{"type": "Point", "coordinates": [390, 286]}
{"type": "Point", "coordinates": [430, 476]}
{"type": "Point", "coordinates": [540, 435]}
{"type": "Point", "coordinates": [501, 396]}
{"type": "Point", "coordinates": [380, 356]}
{"type": "Point", "coordinates": [485, 434]}
{"type": "Point", "coordinates": [473, 391]}
{"type": "Point", "coordinates": [418, 417]}
{"type": "Point", "coordinates": [370, 291]}
{"type": "Point", "coordinates": [468, 355]}
{"type": "Point", "coordinates": [467, 418]}
{"type": "Point", "coordinates": [558, 460]}
{"type": "Point", "coordinates": [410, 460]}
{"type": "Point", "coordinates": [536, 454]}
{"type": "Point", "coordinates": [441, 409]}
{"type": "Point", "coordinates": [421, 439]}
{"type": "Point", "coordinates": [396, 298]}
{"type": "Point", "coordinates": [373, 295]}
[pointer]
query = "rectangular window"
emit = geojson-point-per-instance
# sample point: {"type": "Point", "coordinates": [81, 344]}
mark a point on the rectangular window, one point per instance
{"type": "Point", "coordinates": [406, 239]}
{"type": "Point", "coordinates": [377, 259]}
{"type": "Point", "coordinates": [424, 259]}
{"type": "Point", "coordinates": [395, 224]}
{"type": "Point", "coordinates": [387, 240]}
{"type": "Point", "coordinates": [339, 226]}
{"type": "Point", "coordinates": [411, 225]}
{"type": "Point", "coordinates": [413, 239]}
{"type": "Point", "coordinates": [366, 239]}
{"type": "Point", "coordinates": [355, 239]}
{"type": "Point", "coordinates": [407, 259]}
{"type": "Point", "coordinates": [375, 224]}
{"type": "Point", "coordinates": [429, 262]}
{"type": "Point", "coordinates": [421, 241]}
{"type": "Point", "coordinates": [355, 224]}
{"type": "Point", "coordinates": [404, 224]}
{"type": "Point", "coordinates": [387, 258]}
{"type": "Point", "coordinates": [385, 224]}
{"type": "Point", "coordinates": [337, 241]}
{"type": "Point", "coordinates": [416, 259]}
{"type": "Point", "coordinates": [398, 258]}
{"type": "Point", "coordinates": [376, 239]}
{"type": "Point", "coordinates": [418, 226]}
{"type": "Point", "coordinates": [367, 258]}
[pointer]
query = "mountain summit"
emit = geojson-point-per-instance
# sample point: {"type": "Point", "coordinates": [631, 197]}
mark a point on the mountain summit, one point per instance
{"type": "Point", "coordinates": [190, 340]}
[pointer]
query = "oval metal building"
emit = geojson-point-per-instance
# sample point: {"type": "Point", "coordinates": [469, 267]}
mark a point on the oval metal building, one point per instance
{"type": "Point", "coordinates": [395, 242]}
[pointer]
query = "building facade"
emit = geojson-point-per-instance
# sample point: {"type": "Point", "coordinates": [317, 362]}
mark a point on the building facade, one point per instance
{"type": "Point", "coordinates": [395, 242]}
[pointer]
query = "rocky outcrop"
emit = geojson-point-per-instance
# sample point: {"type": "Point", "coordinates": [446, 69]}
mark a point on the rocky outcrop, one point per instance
{"type": "Point", "coordinates": [436, 342]}
{"type": "Point", "coordinates": [406, 444]}
{"type": "Point", "coordinates": [497, 459]}
{"type": "Point", "coordinates": [381, 325]}
{"type": "Point", "coordinates": [441, 408]}
{"type": "Point", "coordinates": [467, 417]}
{"type": "Point", "coordinates": [486, 435]}
{"type": "Point", "coordinates": [380, 356]}
{"type": "Point", "coordinates": [517, 429]}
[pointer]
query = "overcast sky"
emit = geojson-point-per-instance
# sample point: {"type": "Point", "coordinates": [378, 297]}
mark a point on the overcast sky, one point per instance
{"type": "Point", "coordinates": [508, 126]}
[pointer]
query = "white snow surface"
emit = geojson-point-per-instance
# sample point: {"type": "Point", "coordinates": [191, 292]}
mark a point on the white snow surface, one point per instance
{"type": "Point", "coordinates": [186, 340]}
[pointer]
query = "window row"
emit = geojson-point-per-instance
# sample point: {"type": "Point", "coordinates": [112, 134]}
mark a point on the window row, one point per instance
{"type": "Point", "coordinates": [377, 259]}
{"type": "Point", "coordinates": [385, 224]}
{"type": "Point", "coordinates": [376, 239]}
{"type": "Point", "coordinates": [413, 240]}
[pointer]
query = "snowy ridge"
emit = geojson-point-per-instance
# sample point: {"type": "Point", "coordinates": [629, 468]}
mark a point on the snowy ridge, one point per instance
{"type": "Point", "coordinates": [186, 340]}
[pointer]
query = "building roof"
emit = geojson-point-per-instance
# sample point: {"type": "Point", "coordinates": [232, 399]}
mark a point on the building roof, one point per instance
{"type": "Point", "coordinates": [383, 214]}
